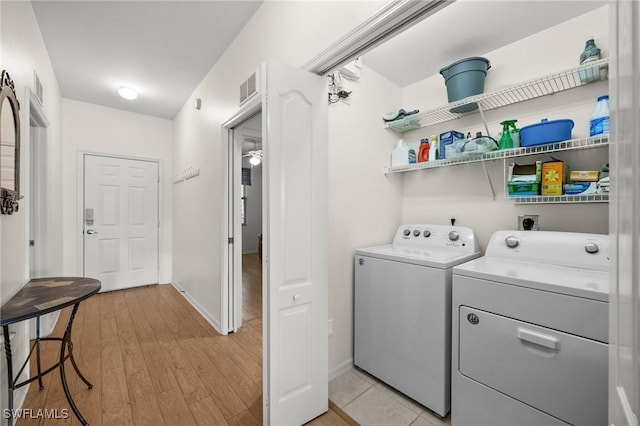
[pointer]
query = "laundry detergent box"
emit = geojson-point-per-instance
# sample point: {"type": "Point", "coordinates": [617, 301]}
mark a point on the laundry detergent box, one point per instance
{"type": "Point", "coordinates": [554, 175]}
{"type": "Point", "coordinates": [446, 139]}
{"type": "Point", "coordinates": [584, 176]}
{"type": "Point", "coordinates": [580, 188]}
{"type": "Point", "coordinates": [524, 179]}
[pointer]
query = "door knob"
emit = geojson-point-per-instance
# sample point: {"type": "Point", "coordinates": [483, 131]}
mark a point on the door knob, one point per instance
{"type": "Point", "coordinates": [296, 297]}
{"type": "Point", "coordinates": [91, 232]}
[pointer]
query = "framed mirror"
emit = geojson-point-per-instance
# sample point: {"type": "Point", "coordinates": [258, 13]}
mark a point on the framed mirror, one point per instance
{"type": "Point", "coordinates": [9, 146]}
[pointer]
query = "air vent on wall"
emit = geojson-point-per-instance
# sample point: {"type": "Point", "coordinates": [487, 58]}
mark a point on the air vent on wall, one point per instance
{"type": "Point", "coordinates": [249, 88]}
{"type": "Point", "coordinates": [37, 87]}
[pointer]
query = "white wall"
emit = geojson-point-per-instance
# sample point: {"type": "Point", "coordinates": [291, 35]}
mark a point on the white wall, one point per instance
{"type": "Point", "coordinates": [433, 196]}
{"type": "Point", "coordinates": [23, 51]}
{"type": "Point", "coordinates": [292, 32]}
{"type": "Point", "coordinates": [98, 129]}
{"type": "Point", "coordinates": [254, 210]}
{"type": "Point", "coordinates": [364, 204]}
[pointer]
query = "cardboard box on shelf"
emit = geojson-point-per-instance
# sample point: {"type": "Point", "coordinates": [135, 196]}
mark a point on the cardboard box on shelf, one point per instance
{"type": "Point", "coordinates": [554, 175]}
{"type": "Point", "coordinates": [446, 139]}
{"type": "Point", "coordinates": [580, 188]}
{"type": "Point", "coordinates": [524, 179]}
{"type": "Point", "coordinates": [584, 176]}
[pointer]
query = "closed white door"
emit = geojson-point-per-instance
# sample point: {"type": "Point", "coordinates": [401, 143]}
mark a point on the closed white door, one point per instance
{"type": "Point", "coordinates": [120, 221]}
{"type": "Point", "coordinates": [295, 227]}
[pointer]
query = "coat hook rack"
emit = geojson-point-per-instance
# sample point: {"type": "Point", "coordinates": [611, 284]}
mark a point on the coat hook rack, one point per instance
{"type": "Point", "coordinates": [188, 173]}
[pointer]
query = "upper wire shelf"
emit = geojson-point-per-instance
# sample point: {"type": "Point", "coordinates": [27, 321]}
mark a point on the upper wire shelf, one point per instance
{"type": "Point", "coordinates": [547, 85]}
{"type": "Point", "coordinates": [572, 144]}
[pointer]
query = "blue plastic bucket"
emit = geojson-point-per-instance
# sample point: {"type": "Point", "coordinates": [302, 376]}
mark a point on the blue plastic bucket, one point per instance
{"type": "Point", "coordinates": [546, 132]}
{"type": "Point", "coordinates": [465, 78]}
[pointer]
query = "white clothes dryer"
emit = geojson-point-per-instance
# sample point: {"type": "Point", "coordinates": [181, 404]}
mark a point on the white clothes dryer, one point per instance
{"type": "Point", "coordinates": [403, 309]}
{"type": "Point", "coordinates": [530, 331]}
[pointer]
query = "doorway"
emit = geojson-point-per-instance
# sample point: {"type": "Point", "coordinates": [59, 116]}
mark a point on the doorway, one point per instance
{"type": "Point", "coordinates": [37, 135]}
{"type": "Point", "coordinates": [120, 221]}
{"type": "Point", "coordinates": [249, 136]}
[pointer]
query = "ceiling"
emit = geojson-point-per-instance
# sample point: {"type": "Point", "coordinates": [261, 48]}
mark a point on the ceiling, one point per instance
{"type": "Point", "coordinates": [466, 28]}
{"type": "Point", "coordinates": [163, 49]}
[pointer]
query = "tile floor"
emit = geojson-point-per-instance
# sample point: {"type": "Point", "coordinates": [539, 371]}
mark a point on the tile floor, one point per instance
{"type": "Point", "coordinates": [372, 403]}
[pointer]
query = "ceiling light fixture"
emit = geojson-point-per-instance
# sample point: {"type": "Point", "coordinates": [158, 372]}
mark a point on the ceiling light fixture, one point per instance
{"type": "Point", "coordinates": [255, 158]}
{"type": "Point", "coordinates": [127, 93]}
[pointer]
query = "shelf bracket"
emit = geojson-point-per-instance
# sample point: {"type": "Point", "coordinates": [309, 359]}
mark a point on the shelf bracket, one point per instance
{"type": "Point", "coordinates": [484, 120]}
{"type": "Point", "coordinates": [486, 172]}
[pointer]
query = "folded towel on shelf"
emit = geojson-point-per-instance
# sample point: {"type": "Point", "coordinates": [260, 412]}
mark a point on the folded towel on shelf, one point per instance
{"type": "Point", "coordinates": [398, 114]}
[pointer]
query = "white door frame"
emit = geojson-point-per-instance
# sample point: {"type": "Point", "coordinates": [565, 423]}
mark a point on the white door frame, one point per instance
{"type": "Point", "coordinates": [80, 210]}
{"type": "Point", "coordinates": [34, 112]}
{"type": "Point", "coordinates": [231, 285]}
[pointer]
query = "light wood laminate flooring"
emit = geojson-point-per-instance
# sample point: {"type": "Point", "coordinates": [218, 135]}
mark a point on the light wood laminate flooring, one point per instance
{"type": "Point", "coordinates": [154, 360]}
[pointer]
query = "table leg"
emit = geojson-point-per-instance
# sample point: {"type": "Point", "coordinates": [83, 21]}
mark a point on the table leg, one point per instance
{"type": "Point", "coordinates": [7, 351]}
{"type": "Point", "coordinates": [38, 352]}
{"type": "Point", "coordinates": [66, 342]}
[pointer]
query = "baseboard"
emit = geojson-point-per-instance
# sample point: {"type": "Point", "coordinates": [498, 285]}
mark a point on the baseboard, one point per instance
{"type": "Point", "coordinates": [206, 315]}
{"type": "Point", "coordinates": [341, 368]}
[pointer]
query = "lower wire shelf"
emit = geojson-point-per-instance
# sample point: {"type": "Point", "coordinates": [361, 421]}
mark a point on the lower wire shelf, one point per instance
{"type": "Point", "coordinates": [561, 199]}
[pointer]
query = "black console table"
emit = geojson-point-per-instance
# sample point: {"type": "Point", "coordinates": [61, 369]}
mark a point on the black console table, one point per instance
{"type": "Point", "coordinates": [39, 297]}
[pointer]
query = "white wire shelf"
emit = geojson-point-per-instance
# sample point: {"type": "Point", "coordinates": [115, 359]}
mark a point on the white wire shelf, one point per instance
{"type": "Point", "coordinates": [547, 85]}
{"type": "Point", "coordinates": [561, 199]}
{"type": "Point", "coordinates": [572, 144]}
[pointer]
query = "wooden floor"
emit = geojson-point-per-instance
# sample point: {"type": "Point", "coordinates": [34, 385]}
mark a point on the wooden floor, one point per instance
{"type": "Point", "coordinates": [153, 360]}
{"type": "Point", "coordinates": [251, 287]}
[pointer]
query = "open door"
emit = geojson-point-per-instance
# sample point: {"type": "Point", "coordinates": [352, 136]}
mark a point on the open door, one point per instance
{"type": "Point", "coordinates": [295, 227]}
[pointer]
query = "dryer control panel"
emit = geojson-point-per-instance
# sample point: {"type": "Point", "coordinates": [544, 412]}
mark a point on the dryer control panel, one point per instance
{"type": "Point", "coordinates": [426, 236]}
{"type": "Point", "coordinates": [571, 249]}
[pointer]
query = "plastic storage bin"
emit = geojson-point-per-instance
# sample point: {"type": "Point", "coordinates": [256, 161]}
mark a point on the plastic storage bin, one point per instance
{"type": "Point", "coordinates": [546, 132]}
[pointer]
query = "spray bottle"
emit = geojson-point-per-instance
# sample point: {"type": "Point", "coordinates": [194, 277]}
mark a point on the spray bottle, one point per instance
{"type": "Point", "coordinates": [506, 141]}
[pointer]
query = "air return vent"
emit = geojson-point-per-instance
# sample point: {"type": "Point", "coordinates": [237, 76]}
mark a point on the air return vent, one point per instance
{"type": "Point", "coordinates": [249, 88]}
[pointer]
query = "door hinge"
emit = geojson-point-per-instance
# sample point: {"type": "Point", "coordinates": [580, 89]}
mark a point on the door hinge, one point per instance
{"type": "Point", "coordinates": [32, 243]}
{"type": "Point", "coordinates": [230, 240]}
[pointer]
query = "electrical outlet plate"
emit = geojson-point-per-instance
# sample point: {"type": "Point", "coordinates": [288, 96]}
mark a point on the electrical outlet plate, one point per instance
{"type": "Point", "coordinates": [528, 222]}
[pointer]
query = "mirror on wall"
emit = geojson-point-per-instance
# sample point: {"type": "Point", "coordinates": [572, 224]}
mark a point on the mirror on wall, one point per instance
{"type": "Point", "coordinates": [9, 146]}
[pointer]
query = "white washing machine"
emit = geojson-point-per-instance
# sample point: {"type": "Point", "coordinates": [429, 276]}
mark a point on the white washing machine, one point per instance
{"type": "Point", "coordinates": [403, 309]}
{"type": "Point", "coordinates": [530, 332]}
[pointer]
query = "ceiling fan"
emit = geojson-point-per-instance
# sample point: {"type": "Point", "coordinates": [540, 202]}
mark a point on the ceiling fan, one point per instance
{"type": "Point", "coordinates": [255, 155]}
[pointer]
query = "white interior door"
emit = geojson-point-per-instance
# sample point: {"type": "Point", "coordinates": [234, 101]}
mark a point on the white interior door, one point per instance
{"type": "Point", "coordinates": [624, 215]}
{"type": "Point", "coordinates": [120, 221]}
{"type": "Point", "coordinates": [295, 226]}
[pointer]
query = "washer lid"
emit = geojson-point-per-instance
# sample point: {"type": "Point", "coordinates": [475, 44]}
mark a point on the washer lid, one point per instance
{"type": "Point", "coordinates": [580, 282]}
{"type": "Point", "coordinates": [434, 258]}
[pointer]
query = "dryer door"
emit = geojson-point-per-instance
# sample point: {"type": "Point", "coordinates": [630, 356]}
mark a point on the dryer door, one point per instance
{"type": "Point", "coordinates": [560, 374]}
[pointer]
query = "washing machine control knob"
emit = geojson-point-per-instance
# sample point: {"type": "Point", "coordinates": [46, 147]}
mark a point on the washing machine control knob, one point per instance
{"type": "Point", "coordinates": [427, 233]}
{"type": "Point", "coordinates": [511, 241]}
{"type": "Point", "coordinates": [454, 236]}
{"type": "Point", "coordinates": [416, 232]}
{"type": "Point", "coordinates": [407, 232]}
{"type": "Point", "coordinates": [591, 248]}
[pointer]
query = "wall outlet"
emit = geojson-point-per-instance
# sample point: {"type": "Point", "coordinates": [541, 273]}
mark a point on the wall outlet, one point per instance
{"type": "Point", "coordinates": [330, 327]}
{"type": "Point", "coordinates": [528, 222]}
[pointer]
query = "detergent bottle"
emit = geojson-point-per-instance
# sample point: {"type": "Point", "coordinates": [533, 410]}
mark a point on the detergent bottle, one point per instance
{"type": "Point", "coordinates": [423, 151]}
{"type": "Point", "coordinates": [506, 141]}
{"type": "Point", "coordinates": [400, 155]}
{"type": "Point", "coordinates": [599, 123]}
